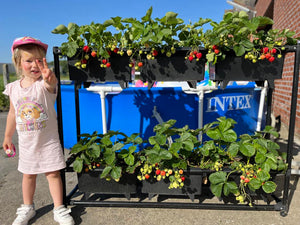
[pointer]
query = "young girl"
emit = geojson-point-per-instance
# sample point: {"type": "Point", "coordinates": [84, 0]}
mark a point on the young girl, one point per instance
{"type": "Point", "coordinates": [33, 115]}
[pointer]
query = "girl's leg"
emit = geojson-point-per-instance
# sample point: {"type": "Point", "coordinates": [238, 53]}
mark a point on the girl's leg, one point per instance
{"type": "Point", "coordinates": [28, 188]}
{"type": "Point", "coordinates": [61, 213]}
{"type": "Point", "coordinates": [55, 186]}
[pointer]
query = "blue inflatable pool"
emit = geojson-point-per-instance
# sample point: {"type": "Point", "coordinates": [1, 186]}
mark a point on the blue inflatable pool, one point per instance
{"type": "Point", "coordinates": [131, 110]}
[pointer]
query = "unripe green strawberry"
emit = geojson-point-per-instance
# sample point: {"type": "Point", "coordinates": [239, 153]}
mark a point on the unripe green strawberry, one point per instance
{"type": "Point", "coordinates": [168, 54]}
{"type": "Point", "coordinates": [129, 52]}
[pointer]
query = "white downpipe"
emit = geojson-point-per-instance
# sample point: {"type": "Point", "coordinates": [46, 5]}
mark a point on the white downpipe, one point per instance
{"type": "Point", "coordinates": [103, 91]}
{"type": "Point", "coordinates": [261, 106]}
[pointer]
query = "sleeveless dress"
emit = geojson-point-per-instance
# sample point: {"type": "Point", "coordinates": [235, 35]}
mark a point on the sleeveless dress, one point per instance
{"type": "Point", "coordinates": [40, 150]}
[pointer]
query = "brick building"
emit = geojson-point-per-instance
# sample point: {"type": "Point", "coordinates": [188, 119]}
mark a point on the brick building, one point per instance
{"type": "Point", "coordinates": [286, 15]}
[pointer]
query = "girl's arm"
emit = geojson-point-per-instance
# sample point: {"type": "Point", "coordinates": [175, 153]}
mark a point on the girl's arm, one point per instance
{"type": "Point", "coordinates": [10, 128]}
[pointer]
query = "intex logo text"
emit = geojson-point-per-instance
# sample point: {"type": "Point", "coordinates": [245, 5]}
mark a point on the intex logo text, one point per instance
{"type": "Point", "coordinates": [228, 103]}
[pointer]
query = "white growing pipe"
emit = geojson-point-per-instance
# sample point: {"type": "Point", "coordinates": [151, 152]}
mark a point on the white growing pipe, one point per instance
{"type": "Point", "coordinates": [261, 106]}
{"type": "Point", "coordinates": [103, 91]}
{"type": "Point", "coordinates": [103, 111]}
{"type": "Point", "coordinates": [160, 121]}
{"type": "Point", "coordinates": [200, 90]}
{"type": "Point", "coordinates": [200, 113]}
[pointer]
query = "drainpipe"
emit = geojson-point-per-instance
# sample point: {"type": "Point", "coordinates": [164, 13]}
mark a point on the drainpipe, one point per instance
{"type": "Point", "coordinates": [103, 91]}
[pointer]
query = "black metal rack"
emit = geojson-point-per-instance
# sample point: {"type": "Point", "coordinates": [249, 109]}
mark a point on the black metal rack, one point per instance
{"type": "Point", "coordinates": [281, 205]}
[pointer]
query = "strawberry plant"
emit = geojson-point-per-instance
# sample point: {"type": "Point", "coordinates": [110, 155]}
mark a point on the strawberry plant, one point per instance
{"type": "Point", "coordinates": [165, 158]}
{"type": "Point", "coordinates": [246, 37]}
{"type": "Point", "coordinates": [239, 165]}
{"type": "Point", "coordinates": [114, 151]}
{"type": "Point", "coordinates": [253, 157]}
{"type": "Point", "coordinates": [132, 37]}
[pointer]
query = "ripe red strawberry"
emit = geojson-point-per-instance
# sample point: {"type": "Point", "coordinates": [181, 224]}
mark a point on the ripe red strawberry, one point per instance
{"type": "Point", "coordinates": [83, 61]}
{"type": "Point", "coordinates": [154, 53]}
{"type": "Point", "coordinates": [147, 176]}
{"type": "Point", "coordinates": [157, 172]}
{"type": "Point", "coordinates": [163, 173]}
{"type": "Point", "coordinates": [271, 59]}
{"type": "Point", "coordinates": [265, 50]}
{"type": "Point", "coordinates": [86, 48]}
{"type": "Point", "coordinates": [104, 61]}
{"type": "Point", "coordinates": [108, 65]}
{"type": "Point", "coordinates": [116, 50]}
{"type": "Point", "coordinates": [140, 64]}
{"type": "Point", "coordinates": [195, 52]}
{"type": "Point", "coordinates": [191, 58]}
{"type": "Point", "coordinates": [199, 55]}
{"type": "Point", "coordinates": [268, 55]}
{"type": "Point", "coordinates": [247, 180]}
{"type": "Point", "coordinates": [94, 54]}
{"type": "Point", "coordinates": [217, 51]}
{"type": "Point", "coordinates": [274, 51]}
{"type": "Point", "coordinates": [214, 47]}
{"type": "Point", "coordinates": [182, 178]}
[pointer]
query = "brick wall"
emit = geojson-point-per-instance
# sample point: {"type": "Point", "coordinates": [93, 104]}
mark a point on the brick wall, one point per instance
{"type": "Point", "coordinates": [286, 15]}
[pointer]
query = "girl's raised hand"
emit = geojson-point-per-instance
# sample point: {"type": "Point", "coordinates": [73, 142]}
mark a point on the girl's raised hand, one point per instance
{"type": "Point", "coordinates": [48, 75]}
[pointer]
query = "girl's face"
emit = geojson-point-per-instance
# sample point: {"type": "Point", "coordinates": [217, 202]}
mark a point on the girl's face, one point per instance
{"type": "Point", "coordinates": [29, 66]}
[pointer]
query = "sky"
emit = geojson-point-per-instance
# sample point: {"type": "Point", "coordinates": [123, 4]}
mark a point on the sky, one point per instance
{"type": "Point", "coordinates": [37, 18]}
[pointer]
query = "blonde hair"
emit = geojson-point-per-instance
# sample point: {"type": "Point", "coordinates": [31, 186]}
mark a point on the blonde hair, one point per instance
{"type": "Point", "coordinates": [16, 57]}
